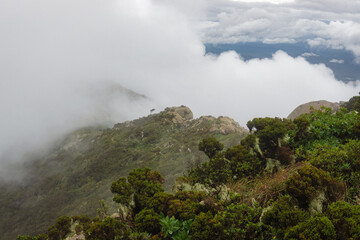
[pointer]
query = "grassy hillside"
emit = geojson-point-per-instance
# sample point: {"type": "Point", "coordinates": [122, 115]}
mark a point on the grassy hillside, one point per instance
{"type": "Point", "coordinates": [78, 172]}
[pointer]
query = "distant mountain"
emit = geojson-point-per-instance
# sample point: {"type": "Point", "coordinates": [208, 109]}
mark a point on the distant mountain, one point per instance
{"type": "Point", "coordinates": [306, 108]}
{"type": "Point", "coordinates": [72, 178]}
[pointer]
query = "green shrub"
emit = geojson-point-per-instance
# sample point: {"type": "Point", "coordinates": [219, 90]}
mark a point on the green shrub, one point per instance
{"type": "Point", "coordinates": [323, 126]}
{"type": "Point", "coordinates": [147, 220]}
{"type": "Point", "coordinates": [63, 224]}
{"type": "Point", "coordinates": [139, 236]}
{"type": "Point", "coordinates": [108, 229]}
{"type": "Point", "coordinates": [342, 162]}
{"type": "Point", "coordinates": [315, 228]}
{"type": "Point", "coordinates": [214, 172]}
{"type": "Point", "coordinates": [175, 229]}
{"type": "Point", "coordinates": [210, 146]}
{"type": "Point", "coordinates": [242, 222]}
{"type": "Point", "coordinates": [346, 219]}
{"type": "Point", "coordinates": [353, 104]}
{"type": "Point", "coordinates": [145, 184]}
{"type": "Point", "coordinates": [160, 202]}
{"type": "Point", "coordinates": [205, 226]}
{"type": "Point", "coordinates": [306, 183]}
{"type": "Point", "coordinates": [81, 219]}
{"type": "Point", "coordinates": [284, 214]}
{"type": "Point", "coordinates": [84, 222]}
{"type": "Point", "coordinates": [270, 131]}
{"type": "Point", "coordinates": [183, 209]}
{"type": "Point", "coordinates": [38, 237]}
{"type": "Point", "coordinates": [25, 238]}
{"type": "Point", "coordinates": [122, 190]}
{"type": "Point", "coordinates": [142, 182]}
{"type": "Point", "coordinates": [53, 233]}
{"type": "Point", "coordinates": [186, 204]}
{"type": "Point", "coordinates": [243, 163]}
{"type": "Point", "coordinates": [301, 134]}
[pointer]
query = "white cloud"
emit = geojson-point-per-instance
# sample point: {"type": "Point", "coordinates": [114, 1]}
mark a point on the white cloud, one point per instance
{"type": "Point", "coordinates": [333, 24]}
{"type": "Point", "coordinates": [60, 58]}
{"type": "Point", "coordinates": [339, 61]}
{"type": "Point", "coordinates": [266, 1]}
{"type": "Point", "coordinates": [307, 54]}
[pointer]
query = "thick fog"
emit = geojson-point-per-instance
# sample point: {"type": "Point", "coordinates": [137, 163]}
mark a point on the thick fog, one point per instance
{"type": "Point", "coordinates": [68, 64]}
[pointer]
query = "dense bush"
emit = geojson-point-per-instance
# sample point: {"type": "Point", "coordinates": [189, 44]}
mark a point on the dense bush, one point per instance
{"type": "Point", "coordinates": [323, 126]}
{"type": "Point", "coordinates": [60, 229]}
{"type": "Point", "coordinates": [342, 162]}
{"type": "Point", "coordinates": [235, 163]}
{"type": "Point", "coordinates": [210, 146]}
{"type": "Point", "coordinates": [353, 104]}
{"type": "Point", "coordinates": [63, 224]}
{"type": "Point", "coordinates": [142, 182]}
{"type": "Point", "coordinates": [53, 233]}
{"type": "Point", "coordinates": [38, 237]}
{"type": "Point", "coordinates": [243, 163]}
{"type": "Point", "coordinates": [270, 132]}
{"type": "Point", "coordinates": [205, 226]}
{"type": "Point", "coordinates": [147, 220]}
{"type": "Point", "coordinates": [307, 183]}
{"type": "Point", "coordinates": [145, 184]}
{"type": "Point", "coordinates": [160, 202]}
{"type": "Point", "coordinates": [346, 219]}
{"type": "Point", "coordinates": [122, 190]}
{"type": "Point", "coordinates": [240, 221]}
{"type": "Point", "coordinates": [214, 172]}
{"type": "Point", "coordinates": [108, 229]}
{"type": "Point", "coordinates": [283, 214]}
{"type": "Point", "coordinates": [315, 228]}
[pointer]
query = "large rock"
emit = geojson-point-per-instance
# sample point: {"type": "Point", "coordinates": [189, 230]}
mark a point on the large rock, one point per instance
{"type": "Point", "coordinates": [180, 114]}
{"type": "Point", "coordinates": [306, 108]}
{"type": "Point", "coordinates": [226, 125]}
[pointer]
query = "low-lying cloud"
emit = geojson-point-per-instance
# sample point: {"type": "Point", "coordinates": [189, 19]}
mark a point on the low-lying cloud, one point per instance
{"type": "Point", "coordinates": [339, 61]}
{"type": "Point", "coordinates": [332, 24]}
{"type": "Point", "coordinates": [65, 65]}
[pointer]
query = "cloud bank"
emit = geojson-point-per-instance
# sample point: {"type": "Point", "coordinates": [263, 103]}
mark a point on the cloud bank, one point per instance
{"type": "Point", "coordinates": [332, 24]}
{"type": "Point", "coordinates": [64, 65]}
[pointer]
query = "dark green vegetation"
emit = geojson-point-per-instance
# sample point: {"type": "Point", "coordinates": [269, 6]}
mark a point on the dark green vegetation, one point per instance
{"type": "Point", "coordinates": [77, 173]}
{"type": "Point", "coordinates": [286, 180]}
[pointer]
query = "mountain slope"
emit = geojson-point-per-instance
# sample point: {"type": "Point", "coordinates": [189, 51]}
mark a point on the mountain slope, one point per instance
{"type": "Point", "coordinates": [77, 174]}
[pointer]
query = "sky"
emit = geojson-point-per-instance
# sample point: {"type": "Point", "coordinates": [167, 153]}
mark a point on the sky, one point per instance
{"type": "Point", "coordinates": [327, 23]}
{"type": "Point", "coordinates": [61, 61]}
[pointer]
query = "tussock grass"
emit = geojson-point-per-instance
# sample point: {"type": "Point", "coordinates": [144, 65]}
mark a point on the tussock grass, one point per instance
{"type": "Point", "coordinates": [263, 188]}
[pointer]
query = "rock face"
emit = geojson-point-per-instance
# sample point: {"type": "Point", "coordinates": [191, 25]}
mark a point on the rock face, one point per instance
{"type": "Point", "coordinates": [305, 108]}
{"type": "Point", "coordinates": [224, 125]}
{"type": "Point", "coordinates": [180, 114]}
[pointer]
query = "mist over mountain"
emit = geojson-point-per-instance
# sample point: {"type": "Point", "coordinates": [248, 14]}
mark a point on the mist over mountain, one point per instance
{"type": "Point", "coordinates": [74, 175]}
{"type": "Point", "coordinates": [37, 123]}
{"type": "Point", "coordinates": [71, 69]}
{"type": "Point", "coordinates": [56, 64]}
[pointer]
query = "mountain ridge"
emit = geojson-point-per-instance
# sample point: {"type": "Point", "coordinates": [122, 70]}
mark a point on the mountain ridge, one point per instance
{"type": "Point", "coordinates": [73, 178]}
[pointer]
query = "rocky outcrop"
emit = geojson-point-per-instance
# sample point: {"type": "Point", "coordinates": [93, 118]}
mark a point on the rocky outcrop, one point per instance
{"type": "Point", "coordinates": [180, 114]}
{"type": "Point", "coordinates": [226, 125]}
{"type": "Point", "coordinates": [183, 115]}
{"type": "Point", "coordinates": [306, 108]}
